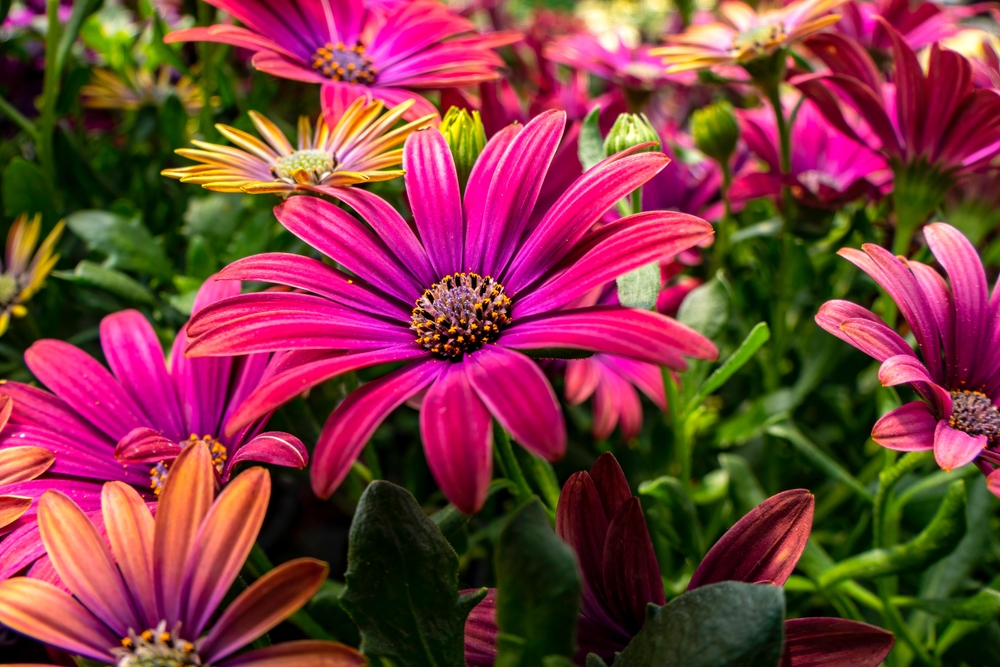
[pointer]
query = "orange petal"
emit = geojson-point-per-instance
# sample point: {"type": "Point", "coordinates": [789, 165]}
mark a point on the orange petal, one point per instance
{"type": "Point", "coordinates": [83, 561]}
{"type": "Point", "coordinates": [306, 653]}
{"type": "Point", "coordinates": [11, 509]}
{"type": "Point", "coordinates": [19, 464]}
{"type": "Point", "coordinates": [6, 405]}
{"type": "Point", "coordinates": [130, 526]}
{"type": "Point", "coordinates": [186, 499]}
{"type": "Point", "coordinates": [43, 612]}
{"type": "Point", "coordinates": [270, 600]}
{"type": "Point", "coordinates": [223, 544]}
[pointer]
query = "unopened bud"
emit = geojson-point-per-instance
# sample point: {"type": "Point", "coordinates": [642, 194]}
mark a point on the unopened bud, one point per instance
{"type": "Point", "coordinates": [630, 129]}
{"type": "Point", "coordinates": [715, 131]}
{"type": "Point", "coordinates": [466, 138]}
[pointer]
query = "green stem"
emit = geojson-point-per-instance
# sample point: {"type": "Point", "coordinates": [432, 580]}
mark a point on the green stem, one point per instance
{"type": "Point", "coordinates": [9, 110]}
{"type": "Point", "coordinates": [721, 246]}
{"type": "Point", "coordinates": [508, 462]}
{"type": "Point", "coordinates": [258, 564]}
{"type": "Point", "coordinates": [636, 200]}
{"type": "Point", "coordinates": [772, 90]}
{"type": "Point", "coordinates": [682, 448]}
{"type": "Point", "coordinates": [50, 92]}
{"type": "Point", "coordinates": [206, 15]}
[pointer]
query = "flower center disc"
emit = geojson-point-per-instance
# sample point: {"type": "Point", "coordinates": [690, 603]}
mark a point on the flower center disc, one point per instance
{"type": "Point", "coordinates": [344, 63]}
{"type": "Point", "coordinates": [316, 165]}
{"type": "Point", "coordinates": [156, 648]}
{"type": "Point", "coordinates": [460, 314]}
{"type": "Point", "coordinates": [158, 473]}
{"type": "Point", "coordinates": [8, 289]}
{"type": "Point", "coordinates": [760, 38]}
{"type": "Point", "coordinates": [974, 413]}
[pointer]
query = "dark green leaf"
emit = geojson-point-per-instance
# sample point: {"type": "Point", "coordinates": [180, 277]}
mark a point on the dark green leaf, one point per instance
{"type": "Point", "coordinates": [402, 583]}
{"type": "Point", "coordinates": [788, 431]}
{"type": "Point", "coordinates": [759, 335]}
{"type": "Point", "coordinates": [982, 607]}
{"type": "Point", "coordinates": [706, 308]}
{"type": "Point", "coordinates": [126, 242]}
{"type": "Point", "coordinates": [729, 624]}
{"type": "Point", "coordinates": [116, 282]}
{"type": "Point", "coordinates": [27, 190]}
{"type": "Point", "coordinates": [326, 607]}
{"type": "Point", "coordinates": [591, 143]}
{"type": "Point", "coordinates": [538, 589]}
{"type": "Point", "coordinates": [639, 288]}
{"type": "Point", "coordinates": [747, 491]}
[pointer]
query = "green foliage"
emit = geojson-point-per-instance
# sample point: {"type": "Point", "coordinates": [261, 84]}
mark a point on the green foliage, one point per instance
{"type": "Point", "coordinates": [125, 242]}
{"type": "Point", "coordinates": [639, 288]}
{"type": "Point", "coordinates": [591, 143]}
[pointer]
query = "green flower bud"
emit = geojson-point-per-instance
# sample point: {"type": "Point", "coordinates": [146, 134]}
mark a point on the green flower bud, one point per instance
{"type": "Point", "coordinates": [715, 131]}
{"type": "Point", "coordinates": [630, 129]}
{"type": "Point", "coordinates": [466, 138]}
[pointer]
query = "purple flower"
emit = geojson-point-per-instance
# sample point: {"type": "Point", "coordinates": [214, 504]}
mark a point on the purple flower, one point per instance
{"type": "Point", "coordinates": [383, 49]}
{"type": "Point", "coordinates": [920, 23]}
{"type": "Point", "coordinates": [828, 169]}
{"type": "Point", "coordinates": [128, 424]}
{"type": "Point", "coordinates": [460, 301]}
{"type": "Point", "coordinates": [957, 372]}
{"type": "Point", "coordinates": [621, 64]}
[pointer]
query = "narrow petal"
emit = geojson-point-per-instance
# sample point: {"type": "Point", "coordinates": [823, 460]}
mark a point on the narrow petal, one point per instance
{"type": "Point", "coordinates": [267, 602]}
{"type": "Point", "coordinates": [582, 376]}
{"type": "Point", "coordinates": [432, 186]}
{"type": "Point", "coordinates": [13, 508]}
{"type": "Point", "coordinates": [902, 369]}
{"type": "Point", "coordinates": [908, 428]}
{"type": "Point", "coordinates": [303, 653]}
{"type": "Point", "coordinates": [517, 393]}
{"type": "Point", "coordinates": [835, 642]}
{"type": "Point", "coordinates": [19, 464]}
{"type": "Point", "coordinates": [477, 189]}
{"type": "Point", "coordinates": [631, 572]}
{"type": "Point", "coordinates": [763, 546]}
{"type": "Point", "coordinates": [954, 448]}
{"type": "Point", "coordinates": [612, 486]}
{"type": "Point", "coordinates": [273, 447]}
{"type": "Point", "coordinates": [144, 445]}
{"type": "Point", "coordinates": [37, 407]}
{"type": "Point", "coordinates": [458, 439]}
{"type": "Point", "coordinates": [130, 528]}
{"type": "Point", "coordinates": [45, 613]}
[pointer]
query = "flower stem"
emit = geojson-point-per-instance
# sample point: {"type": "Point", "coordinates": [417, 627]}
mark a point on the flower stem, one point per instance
{"type": "Point", "coordinates": [721, 246]}
{"type": "Point", "coordinates": [508, 462]}
{"type": "Point", "coordinates": [636, 200]}
{"type": "Point", "coordinates": [682, 448]}
{"type": "Point", "coordinates": [258, 564]}
{"type": "Point", "coordinates": [50, 91]}
{"type": "Point", "coordinates": [9, 110]}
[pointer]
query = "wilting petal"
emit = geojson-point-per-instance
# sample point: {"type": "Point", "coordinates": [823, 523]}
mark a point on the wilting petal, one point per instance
{"type": "Point", "coordinates": [834, 642]}
{"type": "Point", "coordinates": [47, 614]}
{"type": "Point", "coordinates": [144, 445]}
{"type": "Point", "coordinates": [130, 528]}
{"type": "Point", "coordinates": [304, 653]}
{"type": "Point", "coordinates": [83, 561]}
{"type": "Point", "coordinates": [954, 448]}
{"type": "Point", "coordinates": [612, 486]}
{"type": "Point", "coordinates": [908, 428]}
{"type": "Point", "coordinates": [274, 447]}
{"type": "Point", "coordinates": [19, 464]}
{"type": "Point", "coordinates": [763, 546]}
{"type": "Point", "coordinates": [517, 393]}
{"type": "Point", "coordinates": [458, 439]}
{"type": "Point", "coordinates": [186, 499]}
{"type": "Point", "coordinates": [631, 572]}
{"type": "Point", "coordinates": [222, 545]}
{"type": "Point", "coordinates": [267, 602]}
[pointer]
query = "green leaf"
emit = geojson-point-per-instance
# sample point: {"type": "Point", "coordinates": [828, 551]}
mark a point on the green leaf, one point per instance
{"type": "Point", "coordinates": [937, 539]}
{"type": "Point", "coordinates": [747, 491]}
{"type": "Point", "coordinates": [325, 605]}
{"type": "Point", "coordinates": [590, 143]}
{"type": "Point", "coordinates": [788, 431]}
{"type": "Point", "coordinates": [982, 607]}
{"type": "Point", "coordinates": [594, 660]}
{"type": "Point", "coordinates": [538, 589]}
{"type": "Point", "coordinates": [759, 335]}
{"type": "Point", "coordinates": [116, 282]}
{"type": "Point", "coordinates": [729, 624]}
{"type": "Point", "coordinates": [27, 190]}
{"type": "Point", "coordinates": [639, 288]}
{"type": "Point", "coordinates": [706, 308]}
{"type": "Point", "coordinates": [402, 583]}
{"type": "Point", "coordinates": [126, 242]}
{"type": "Point", "coordinates": [683, 520]}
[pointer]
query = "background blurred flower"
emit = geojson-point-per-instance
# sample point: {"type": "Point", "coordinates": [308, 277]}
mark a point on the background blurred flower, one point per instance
{"type": "Point", "coordinates": [919, 23]}
{"type": "Point", "coordinates": [611, 59]}
{"type": "Point", "coordinates": [26, 267]}
{"type": "Point", "coordinates": [139, 88]}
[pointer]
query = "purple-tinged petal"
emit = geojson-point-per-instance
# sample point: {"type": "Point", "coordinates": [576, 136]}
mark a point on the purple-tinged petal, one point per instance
{"type": "Point", "coordinates": [954, 448]}
{"type": "Point", "coordinates": [948, 84]}
{"type": "Point", "coordinates": [477, 189]}
{"type": "Point", "coordinates": [458, 439]}
{"type": "Point", "coordinates": [481, 631]}
{"type": "Point", "coordinates": [939, 300]}
{"type": "Point", "coordinates": [875, 339]}
{"type": "Point", "coordinates": [908, 428]}
{"type": "Point", "coordinates": [834, 642]}
{"type": "Point", "coordinates": [144, 445]}
{"type": "Point", "coordinates": [40, 408]}
{"type": "Point", "coordinates": [130, 528]}
{"type": "Point", "coordinates": [902, 369]}
{"type": "Point", "coordinates": [516, 392]}
{"type": "Point", "coordinates": [993, 482]}
{"type": "Point", "coordinates": [19, 549]}
{"type": "Point", "coordinates": [631, 573]}
{"type": "Point", "coordinates": [647, 377]}
{"type": "Point", "coordinates": [910, 95]}
{"type": "Point", "coordinates": [846, 57]}
{"type": "Point", "coordinates": [355, 420]}
{"type": "Point", "coordinates": [612, 486]}
{"type": "Point", "coordinates": [763, 546]}
{"type": "Point", "coordinates": [301, 653]}
{"type": "Point", "coordinates": [273, 447]}
{"type": "Point", "coordinates": [432, 188]}
{"type": "Point", "coordinates": [73, 456]}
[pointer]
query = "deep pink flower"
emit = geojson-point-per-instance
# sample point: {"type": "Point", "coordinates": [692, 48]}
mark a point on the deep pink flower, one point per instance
{"type": "Point", "coordinates": [460, 300]}
{"type": "Point", "coordinates": [827, 170]}
{"type": "Point", "coordinates": [387, 50]}
{"type": "Point", "coordinates": [128, 424]}
{"type": "Point", "coordinates": [938, 120]}
{"type": "Point", "coordinates": [598, 516]}
{"type": "Point", "coordinates": [919, 23]}
{"type": "Point", "coordinates": [957, 328]}
{"type": "Point", "coordinates": [623, 65]}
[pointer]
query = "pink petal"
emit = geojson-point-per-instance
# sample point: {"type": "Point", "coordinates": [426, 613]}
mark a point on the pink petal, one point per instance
{"type": "Point", "coordinates": [274, 447]}
{"type": "Point", "coordinates": [144, 445]}
{"type": "Point", "coordinates": [432, 185]}
{"type": "Point", "coordinates": [954, 448]}
{"type": "Point", "coordinates": [909, 428]}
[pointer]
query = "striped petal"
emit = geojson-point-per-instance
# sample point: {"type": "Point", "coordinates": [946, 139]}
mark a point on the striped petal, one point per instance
{"type": "Point", "coordinates": [130, 529]}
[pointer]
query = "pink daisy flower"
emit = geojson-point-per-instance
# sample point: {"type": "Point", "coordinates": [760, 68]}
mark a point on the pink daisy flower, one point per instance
{"type": "Point", "coordinates": [460, 300]}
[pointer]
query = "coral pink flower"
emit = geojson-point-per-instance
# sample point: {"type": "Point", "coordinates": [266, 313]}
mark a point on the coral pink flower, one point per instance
{"type": "Point", "coordinates": [130, 423]}
{"type": "Point", "coordinates": [919, 23]}
{"type": "Point", "coordinates": [385, 50]}
{"type": "Point", "coordinates": [149, 598]}
{"type": "Point", "coordinates": [957, 331]}
{"type": "Point", "coordinates": [460, 300]}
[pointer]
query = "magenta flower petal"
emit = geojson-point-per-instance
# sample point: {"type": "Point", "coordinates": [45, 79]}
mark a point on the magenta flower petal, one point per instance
{"type": "Point", "coordinates": [902, 369]}
{"type": "Point", "coordinates": [432, 188]}
{"type": "Point", "coordinates": [908, 428]}
{"type": "Point", "coordinates": [763, 546]}
{"type": "Point", "coordinates": [516, 392]}
{"type": "Point", "coordinates": [939, 299]}
{"type": "Point", "coordinates": [144, 445]}
{"type": "Point", "coordinates": [910, 100]}
{"type": "Point", "coordinates": [875, 339]}
{"type": "Point", "coordinates": [477, 190]}
{"type": "Point", "coordinates": [353, 422]}
{"type": "Point", "coordinates": [834, 642]}
{"type": "Point", "coordinates": [954, 448]}
{"type": "Point", "coordinates": [607, 407]}
{"type": "Point", "coordinates": [631, 573]}
{"type": "Point", "coordinates": [39, 408]}
{"type": "Point", "coordinates": [458, 439]}
{"type": "Point", "coordinates": [582, 378]}
{"type": "Point", "coordinates": [272, 447]}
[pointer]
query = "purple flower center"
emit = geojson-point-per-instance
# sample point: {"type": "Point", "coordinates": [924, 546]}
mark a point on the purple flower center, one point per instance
{"type": "Point", "coordinates": [158, 473]}
{"type": "Point", "coordinates": [974, 413]}
{"type": "Point", "coordinates": [460, 314]}
{"type": "Point", "coordinates": [156, 648]}
{"type": "Point", "coordinates": [344, 63]}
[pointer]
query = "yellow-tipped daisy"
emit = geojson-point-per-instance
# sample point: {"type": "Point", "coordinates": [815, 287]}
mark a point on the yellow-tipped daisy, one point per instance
{"type": "Point", "coordinates": [139, 88]}
{"type": "Point", "coordinates": [360, 147]}
{"type": "Point", "coordinates": [25, 269]}
{"type": "Point", "coordinates": [745, 35]}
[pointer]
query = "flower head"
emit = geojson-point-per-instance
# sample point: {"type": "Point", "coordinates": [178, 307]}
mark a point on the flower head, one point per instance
{"type": "Point", "coordinates": [957, 372]}
{"type": "Point", "coordinates": [356, 146]}
{"type": "Point", "coordinates": [745, 35]}
{"type": "Point", "coordinates": [143, 592]}
{"type": "Point", "coordinates": [920, 23]}
{"type": "Point", "coordinates": [130, 423]}
{"type": "Point", "coordinates": [388, 50]}
{"type": "Point", "coordinates": [461, 299]}
{"type": "Point", "coordinates": [26, 267]}
{"type": "Point", "coordinates": [611, 59]}
{"type": "Point", "coordinates": [140, 88]}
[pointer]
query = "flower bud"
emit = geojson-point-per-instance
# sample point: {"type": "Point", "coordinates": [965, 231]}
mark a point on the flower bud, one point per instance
{"type": "Point", "coordinates": [466, 138]}
{"type": "Point", "coordinates": [630, 129]}
{"type": "Point", "coordinates": [715, 131]}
